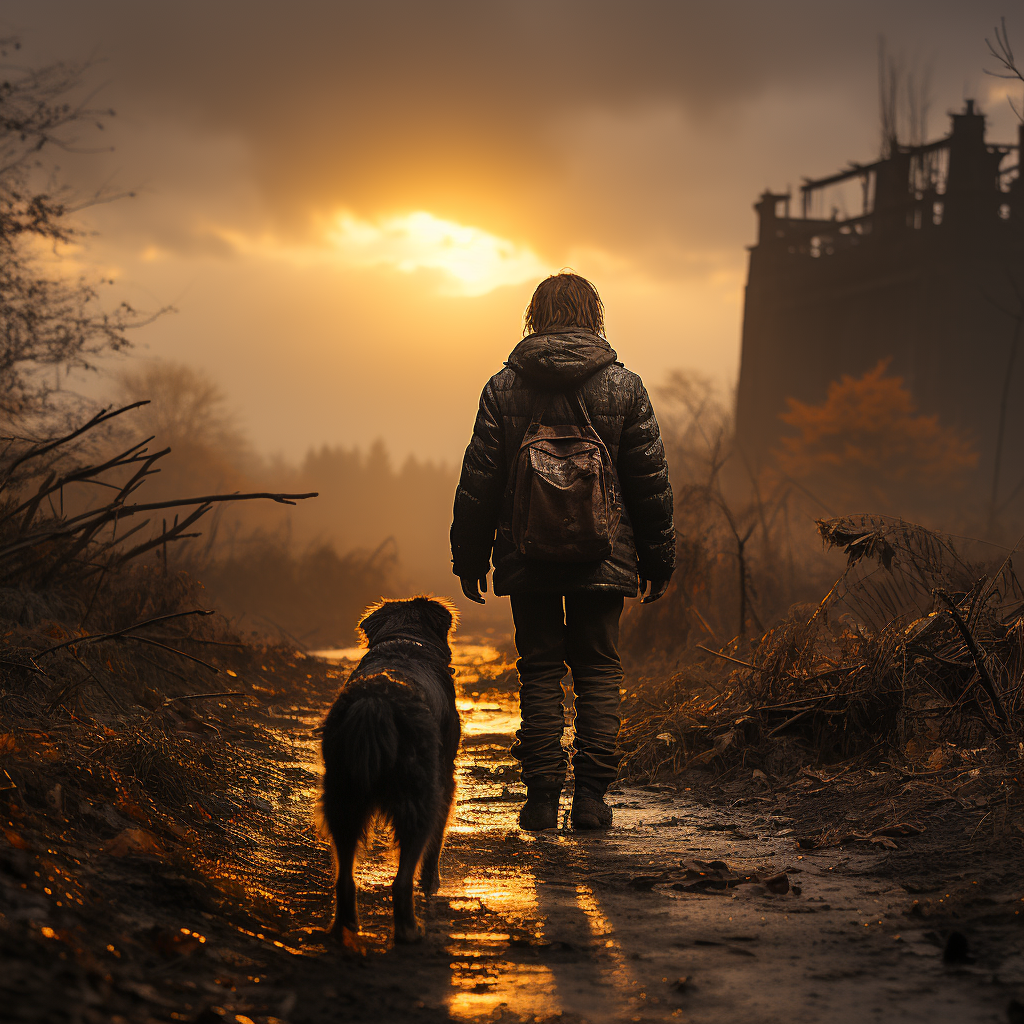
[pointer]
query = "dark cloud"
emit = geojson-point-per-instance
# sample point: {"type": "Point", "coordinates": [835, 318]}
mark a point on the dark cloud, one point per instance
{"type": "Point", "coordinates": [469, 106]}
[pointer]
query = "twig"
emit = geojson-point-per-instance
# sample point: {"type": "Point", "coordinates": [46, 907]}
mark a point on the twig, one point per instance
{"type": "Point", "coordinates": [729, 657]}
{"type": "Point", "coordinates": [703, 622]}
{"type": "Point", "coordinates": [980, 823]}
{"type": "Point", "coordinates": [282, 499]}
{"type": "Point", "coordinates": [1003, 53]}
{"type": "Point", "coordinates": [31, 667]}
{"type": "Point", "coordinates": [203, 696]}
{"type": "Point", "coordinates": [42, 449]}
{"type": "Point", "coordinates": [789, 721]}
{"type": "Point", "coordinates": [166, 647]}
{"type": "Point", "coordinates": [789, 705]}
{"type": "Point", "coordinates": [96, 637]}
{"type": "Point", "coordinates": [84, 474]}
{"type": "Point", "coordinates": [98, 518]}
{"type": "Point", "coordinates": [174, 533]}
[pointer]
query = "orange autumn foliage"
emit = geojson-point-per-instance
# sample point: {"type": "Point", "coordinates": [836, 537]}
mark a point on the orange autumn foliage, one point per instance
{"type": "Point", "coordinates": [868, 442]}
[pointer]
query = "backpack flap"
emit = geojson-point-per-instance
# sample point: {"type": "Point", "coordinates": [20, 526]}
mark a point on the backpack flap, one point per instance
{"type": "Point", "coordinates": [564, 506]}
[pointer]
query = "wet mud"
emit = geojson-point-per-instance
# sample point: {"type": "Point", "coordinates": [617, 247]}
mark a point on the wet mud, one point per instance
{"type": "Point", "coordinates": [617, 926]}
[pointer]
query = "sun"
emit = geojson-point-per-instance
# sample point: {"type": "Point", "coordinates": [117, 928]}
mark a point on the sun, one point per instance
{"type": "Point", "coordinates": [470, 260]}
{"type": "Point", "coordinates": [466, 260]}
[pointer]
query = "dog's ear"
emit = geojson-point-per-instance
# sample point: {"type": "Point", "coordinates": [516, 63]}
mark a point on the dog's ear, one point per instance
{"type": "Point", "coordinates": [439, 617]}
{"type": "Point", "coordinates": [373, 620]}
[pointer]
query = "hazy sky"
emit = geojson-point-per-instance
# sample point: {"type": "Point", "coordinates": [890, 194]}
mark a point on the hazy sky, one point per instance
{"type": "Point", "coordinates": [350, 203]}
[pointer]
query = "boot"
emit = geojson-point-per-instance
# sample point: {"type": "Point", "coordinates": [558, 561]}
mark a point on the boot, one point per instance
{"type": "Point", "coordinates": [589, 811]}
{"type": "Point", "coordinates": [540, 812]}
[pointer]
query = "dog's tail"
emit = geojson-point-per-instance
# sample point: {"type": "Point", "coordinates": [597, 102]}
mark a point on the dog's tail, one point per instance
{"type": "Point", "coordinates": [366, 740]}
{"type": "Point", "coordinates": [379, 746]}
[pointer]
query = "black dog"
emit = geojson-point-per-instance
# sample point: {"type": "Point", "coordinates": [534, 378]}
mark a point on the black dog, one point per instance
{"type": "Point", "coordinates": [389, 746]}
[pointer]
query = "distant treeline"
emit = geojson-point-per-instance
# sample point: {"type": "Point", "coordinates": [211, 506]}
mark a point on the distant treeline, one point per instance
{"type": "Point", "coordinates": [747, 546]}
{"type": "Point", "coordinates": [306, 571]}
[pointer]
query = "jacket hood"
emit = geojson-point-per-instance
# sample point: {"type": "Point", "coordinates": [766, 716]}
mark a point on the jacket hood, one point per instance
{"type": "Point", "coordinates": [561, 360]}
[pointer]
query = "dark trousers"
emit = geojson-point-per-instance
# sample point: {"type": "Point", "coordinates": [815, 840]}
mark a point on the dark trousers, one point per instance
{"type": "Point", "coordinates": [580, 631]}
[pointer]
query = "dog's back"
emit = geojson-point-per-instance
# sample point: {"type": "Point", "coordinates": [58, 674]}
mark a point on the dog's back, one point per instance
{"type": "Point", "coordinates": [382, 749]}
{"type": "Point", "coordinates": [389, 746]}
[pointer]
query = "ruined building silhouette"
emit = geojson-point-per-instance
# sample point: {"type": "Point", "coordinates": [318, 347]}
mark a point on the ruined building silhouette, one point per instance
{"type": "Point", "coordinates": [927, 271]}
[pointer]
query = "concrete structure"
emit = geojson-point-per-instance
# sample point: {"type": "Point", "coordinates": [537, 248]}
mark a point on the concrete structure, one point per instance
{"type": "Point", "coordinates": [929, 272]}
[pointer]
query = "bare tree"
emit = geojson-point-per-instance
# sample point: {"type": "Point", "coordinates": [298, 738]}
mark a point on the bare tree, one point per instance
{"type": "Point", "coordinates": [902, 91]}
{"type": "Point", "coordinates": [48, 322]}
{"type": "Point", "coordinates": [1003, 52]}
{"type": "Point", "coordinates": [186, 408]}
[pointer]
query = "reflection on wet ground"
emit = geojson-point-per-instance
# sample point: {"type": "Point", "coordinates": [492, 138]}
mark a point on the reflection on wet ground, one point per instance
{"type": "Point", "coordinates": [538, 927]}
{"type": "Point", "coordinates": [498, 950]}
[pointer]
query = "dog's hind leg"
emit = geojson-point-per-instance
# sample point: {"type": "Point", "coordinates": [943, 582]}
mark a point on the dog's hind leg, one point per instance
{"type": "Point", "coordinates": [345, 913]}
{"type": "Point", "coordinates": [410, 846]}
{"type": "Point", "coordinates": [344, 842]}
{"type": "Point", "coordinates": [430, 872]}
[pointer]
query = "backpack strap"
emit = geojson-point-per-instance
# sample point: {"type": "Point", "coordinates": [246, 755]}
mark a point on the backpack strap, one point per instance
{"type": "Point", "coordinates": [539, 406]}
{"type": "Point", "coordinates": [581, 407]}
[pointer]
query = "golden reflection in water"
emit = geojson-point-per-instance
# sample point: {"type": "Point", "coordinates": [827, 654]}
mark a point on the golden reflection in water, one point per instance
{"type": "Point", "coordinates": [499, 718]}
{"type": "Point", "coordinates": [617, 973]}
{"type": "Point", "coordinates": [482, 980]}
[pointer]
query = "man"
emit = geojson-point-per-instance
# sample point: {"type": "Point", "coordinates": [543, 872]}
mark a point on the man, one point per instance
{"type": "Point", "coordinates": [564, 375]}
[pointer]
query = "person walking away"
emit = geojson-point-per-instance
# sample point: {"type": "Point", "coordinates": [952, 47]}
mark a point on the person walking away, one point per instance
{"type": "Point", "coordinates": [565, 486]}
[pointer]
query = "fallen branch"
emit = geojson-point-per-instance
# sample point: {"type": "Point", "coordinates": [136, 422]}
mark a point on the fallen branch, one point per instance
{"type": "Point", "coordinates": [729, 657]}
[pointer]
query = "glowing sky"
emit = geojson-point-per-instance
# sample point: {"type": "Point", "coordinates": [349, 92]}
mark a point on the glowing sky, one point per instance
{"type": "Point", "coordinates": [467, 260]}
{"type": "Point", "coordinates": [349, 204]}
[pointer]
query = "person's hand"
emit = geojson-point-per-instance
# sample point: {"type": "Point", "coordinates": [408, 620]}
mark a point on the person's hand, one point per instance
{"type": "Point", "coordinates": [474, 589]}
{"type": "Point", "coordinates": [658, 588]}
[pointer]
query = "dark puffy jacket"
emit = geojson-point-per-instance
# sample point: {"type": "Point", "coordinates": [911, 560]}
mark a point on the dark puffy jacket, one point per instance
{"type": "Point", "coordinates": [621, 413]}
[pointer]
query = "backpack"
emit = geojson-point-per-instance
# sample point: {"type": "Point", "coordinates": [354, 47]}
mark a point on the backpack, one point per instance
{"type": "Point", "coordinates": [564, 506]}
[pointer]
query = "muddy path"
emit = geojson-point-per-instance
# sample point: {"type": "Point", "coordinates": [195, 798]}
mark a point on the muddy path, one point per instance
{"type": "Point", "coordinates": [526, 927]}
{"type": "Point", "coordinates": [562, 926]}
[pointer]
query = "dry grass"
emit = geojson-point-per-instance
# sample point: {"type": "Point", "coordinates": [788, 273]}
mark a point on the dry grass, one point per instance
{"type": "Point", "coordinates": [912, 664]}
